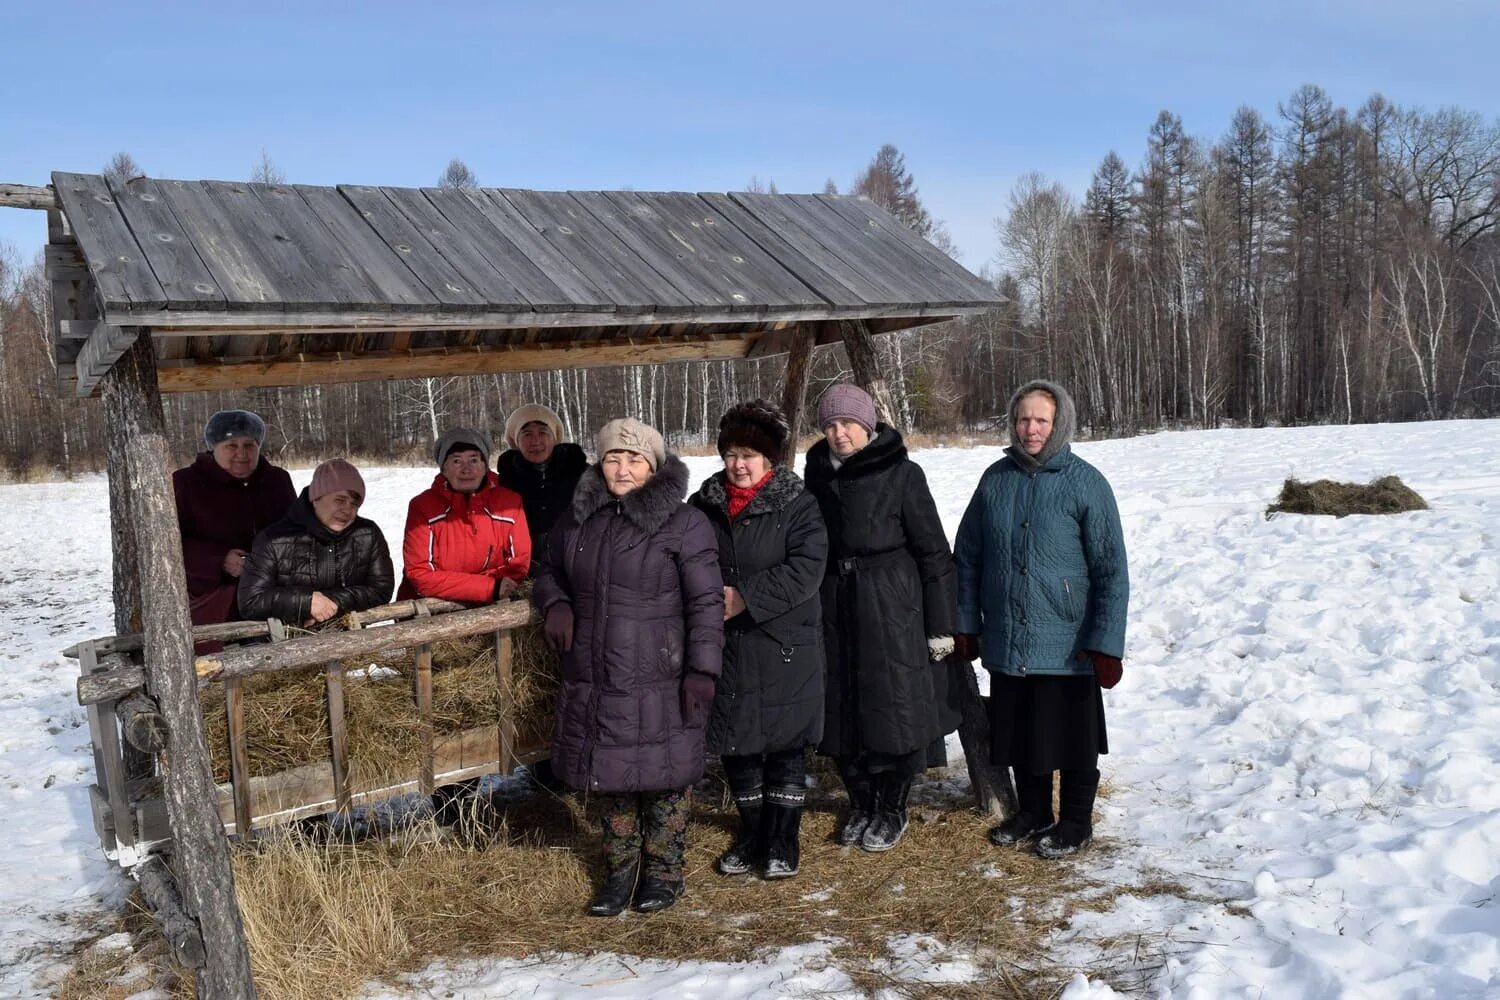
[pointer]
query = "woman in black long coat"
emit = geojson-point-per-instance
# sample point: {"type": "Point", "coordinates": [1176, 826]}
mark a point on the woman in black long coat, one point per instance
{"type": "Point", "coordinates": [889, 613]}
{"type": "Point", "coordinates": [768, 705]}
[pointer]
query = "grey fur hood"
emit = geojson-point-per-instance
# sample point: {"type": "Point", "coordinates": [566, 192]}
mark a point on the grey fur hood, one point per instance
{"type": "Point", "coordinates": [647, 507]}
{"type": "Point", "coordinates": [1064, 425]}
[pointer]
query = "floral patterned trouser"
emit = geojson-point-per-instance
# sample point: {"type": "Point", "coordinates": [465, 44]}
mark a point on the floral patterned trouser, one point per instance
{"type": "Point", "coordinates": [652, 825]}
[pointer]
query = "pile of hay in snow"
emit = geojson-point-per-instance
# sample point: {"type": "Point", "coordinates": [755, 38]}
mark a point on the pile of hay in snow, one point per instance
{"type": "Point", "coordinates": [286, 714]}
{"type": "Point", "coordinates": [1386, 495]}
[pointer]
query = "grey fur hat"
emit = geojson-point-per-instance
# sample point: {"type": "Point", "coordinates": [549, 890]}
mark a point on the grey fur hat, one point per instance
{"type": "Point", "coordinates": [1064, 424]}
{"type": "Point", "coordinates": [467, 436]}
{"type": "Point", "coordinates": [226, 425]}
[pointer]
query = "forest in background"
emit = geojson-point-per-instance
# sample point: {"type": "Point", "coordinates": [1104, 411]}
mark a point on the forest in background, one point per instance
{"type": "Point", "coordinates": [1316, 265]}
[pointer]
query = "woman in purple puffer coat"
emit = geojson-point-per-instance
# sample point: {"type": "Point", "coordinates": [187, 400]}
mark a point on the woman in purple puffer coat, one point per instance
{"type": "Point", "coordinates": [633, 600]}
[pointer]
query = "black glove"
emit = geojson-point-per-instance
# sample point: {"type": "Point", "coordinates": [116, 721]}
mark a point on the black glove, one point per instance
{"type": "Point", "coordinates": [558, 628]}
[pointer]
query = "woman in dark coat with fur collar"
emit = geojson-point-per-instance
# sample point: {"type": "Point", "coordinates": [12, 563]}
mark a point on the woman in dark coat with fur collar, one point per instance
{"type": "Point", "coordinates": [632, 598]}
{"type": "Point", "coordinates": [768, 706]}
{"type": "Point", "coordinates": [889, 613]}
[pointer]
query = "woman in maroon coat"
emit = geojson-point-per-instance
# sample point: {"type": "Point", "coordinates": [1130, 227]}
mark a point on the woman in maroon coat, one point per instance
{"type": "Point", "coordinates": [634, 602]}
{"type": "Point", "coordinates": [224, 499]}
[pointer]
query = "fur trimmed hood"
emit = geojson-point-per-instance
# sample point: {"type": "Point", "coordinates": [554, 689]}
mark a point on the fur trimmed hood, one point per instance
{"type": "Point", "coordinates": [784, 487]}
{"type": "Point", "coordinates": [647, 507]}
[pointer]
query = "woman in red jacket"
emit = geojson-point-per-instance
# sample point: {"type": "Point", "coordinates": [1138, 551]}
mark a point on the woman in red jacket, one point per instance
{"type": "Point", "coordinates": [466, 536]}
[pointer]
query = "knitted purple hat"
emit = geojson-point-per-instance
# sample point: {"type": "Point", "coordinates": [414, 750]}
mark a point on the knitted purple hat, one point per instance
{"type": "Point", "coordinates": [847, 401]}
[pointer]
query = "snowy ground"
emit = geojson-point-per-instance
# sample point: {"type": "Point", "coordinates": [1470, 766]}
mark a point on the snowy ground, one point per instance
{"type": "Point", "coordinates": [1308, 727]}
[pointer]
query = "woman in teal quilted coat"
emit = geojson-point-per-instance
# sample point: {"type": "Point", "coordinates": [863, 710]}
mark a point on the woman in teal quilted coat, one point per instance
{"type": "Point", "coordinates": [1042, 594]}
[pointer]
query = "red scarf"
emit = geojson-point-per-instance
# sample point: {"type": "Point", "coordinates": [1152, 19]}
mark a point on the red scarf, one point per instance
{"type": "Point", "coordinates": [740, 496]}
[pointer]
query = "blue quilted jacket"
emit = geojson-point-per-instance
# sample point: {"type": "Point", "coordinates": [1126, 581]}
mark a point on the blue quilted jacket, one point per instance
{"type": "Point", "coordinates": [1041, 567]}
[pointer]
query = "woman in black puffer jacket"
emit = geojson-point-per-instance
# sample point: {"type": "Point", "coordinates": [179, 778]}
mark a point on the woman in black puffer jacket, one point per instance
{"type": "Point", "coordinates": [322, 559]}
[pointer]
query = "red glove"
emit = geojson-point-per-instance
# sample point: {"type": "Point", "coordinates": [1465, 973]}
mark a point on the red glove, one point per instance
{"type": "Point", "coordinates": [966, 647]}
{"type": "Point", "coordinates": [1107, 669]}
{"type": "Point", "coordinates": [697, 698]}
{"type": "Point", "coordinates": [558, 628]}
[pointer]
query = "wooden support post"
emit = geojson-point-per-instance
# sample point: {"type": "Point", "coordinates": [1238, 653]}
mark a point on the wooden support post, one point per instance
{"type": "Point", "coordinates": [201, 852]}
{"type": "Point", "coordinates": [239, 757]}
{"type": "Point", "coordinates": [506, 683]}
{"type": "Point", "coordinates": [994, 792]}
{"type": "Point", "coordinates": [866, 364]}
{"type": "Point", "coordinates": [159, 890]}
{"type": "Point", "coordinates": [427, 779]}
{"type": "Point", "coordinates": [338, 736]}
{"type": "Point", "coordinates": [794, 396]}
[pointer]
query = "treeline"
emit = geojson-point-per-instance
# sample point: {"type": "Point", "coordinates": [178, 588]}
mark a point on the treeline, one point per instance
{"type": "Point", "coordinates": [1318, 265]}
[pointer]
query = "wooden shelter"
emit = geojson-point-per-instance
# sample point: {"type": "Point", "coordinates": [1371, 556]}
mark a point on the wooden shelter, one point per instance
{"type": "Point", "coordinates": [178, 286]}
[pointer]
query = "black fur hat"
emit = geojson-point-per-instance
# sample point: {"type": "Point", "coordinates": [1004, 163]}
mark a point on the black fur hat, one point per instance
{"type": "Point", "coordinates": [758, 424]}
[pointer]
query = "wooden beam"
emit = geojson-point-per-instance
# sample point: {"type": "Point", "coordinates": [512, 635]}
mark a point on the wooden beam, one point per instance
{"type": "Point", "coordinates": [866, 364]}
{"type": "Point", "coordinates": [99, 354]}
{"type": "Point", "coordinates": [308, 369]}
{"type": "Point", "coordinates": [201, 852]}
{"type": "Point", "coordinates": [794, 394]}
{"type": "Point", "coordinates": [28, 196]}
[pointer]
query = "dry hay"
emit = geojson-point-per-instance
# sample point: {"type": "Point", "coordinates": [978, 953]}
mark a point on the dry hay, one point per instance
{"type": "Point", "coordinates": [286, 714]}
{"type": "Point", "coordinates": [324, 918]}
{"type": "Point", "coordinates": [1386, 495]}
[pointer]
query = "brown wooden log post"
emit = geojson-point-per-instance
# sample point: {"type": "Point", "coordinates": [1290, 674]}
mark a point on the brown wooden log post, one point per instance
{"type": "Point", "coordinates": [794, 396]}
{"type": "Point", "coordinates": [200, 849]}
{"type": "Point", "coordinates": [860, 345]}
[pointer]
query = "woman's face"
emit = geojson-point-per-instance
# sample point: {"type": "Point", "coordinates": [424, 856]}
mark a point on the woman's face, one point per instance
{"type": "Point", "coordinates": [536, 442]}
{"type": "Point", "coordinates": [464, 470]}
{"type": "Point", "coordinates": [1034, 415]}
{"type": "Point", "coordinates": [846, 437]}
{"type": "Point", "coordinates": [238, 456]}
{"type": "Point", "coordinates": [624, 471]}
{"type": "Point", "coordinates": [336, 511]}
{"type": "Point", "coordinates": [745, 466]}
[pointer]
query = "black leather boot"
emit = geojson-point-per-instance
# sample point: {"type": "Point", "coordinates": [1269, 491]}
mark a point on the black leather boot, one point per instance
{"type": "Point", "coordinates": [861, 788]}
{"type": "Point", "coordinates": [748, 847]}
{"type": "Point", "coordinates": [615, 894]}
{"type": "Point", "coordinates": [889, 821]}
{"type": "Point", "coordinates": [783, 824]}
{"type": "Point", "coordinates": [657, 893]}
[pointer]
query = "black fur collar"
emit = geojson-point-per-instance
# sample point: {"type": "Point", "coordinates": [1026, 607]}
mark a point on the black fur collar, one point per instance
{"type": "Point", "coordinates": [884, 450]}
{"type": "Point", "coordinates": [784, 487]}
{"type": "Point", "coordinates": [648, 507]}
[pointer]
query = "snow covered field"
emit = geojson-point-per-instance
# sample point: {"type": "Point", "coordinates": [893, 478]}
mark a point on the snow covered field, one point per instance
{"type": "Point", "coordinates": [1308, 727]}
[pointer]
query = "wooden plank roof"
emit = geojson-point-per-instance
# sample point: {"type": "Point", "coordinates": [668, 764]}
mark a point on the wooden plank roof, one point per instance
{"type": "Point", "coordinates": [271, 275]}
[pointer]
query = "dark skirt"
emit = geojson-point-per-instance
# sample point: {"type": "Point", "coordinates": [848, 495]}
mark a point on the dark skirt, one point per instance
{"type": "Point", "coordinates": [1041, 724]}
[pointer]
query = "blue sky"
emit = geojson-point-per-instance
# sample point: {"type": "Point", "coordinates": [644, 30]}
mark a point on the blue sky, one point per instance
{"type": "Point", "coordinates": [693, 96]}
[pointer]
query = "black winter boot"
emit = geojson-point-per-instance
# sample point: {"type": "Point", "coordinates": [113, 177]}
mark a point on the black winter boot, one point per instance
{"type": "Point", "coordinates": [657, 893]}
{"type": "Point", "coordinates": [615, 894]}
{"type": "Point", "coordinates": [861, 788]}
{"type": "Point", "coordinates": [783, 821]}
{"type": "Point", "coordinates": [1067, 837]}
{"type": "Point", "coordinates": [748, 847]}
{"type": "Point", "coordinates": [1019, 828]}
{"type": "Point", "coordinates": [1074, 830]}
{"type": "Point", "coordinates": [889, 822]}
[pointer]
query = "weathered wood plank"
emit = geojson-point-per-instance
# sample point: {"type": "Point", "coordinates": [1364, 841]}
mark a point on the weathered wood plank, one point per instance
{"type": "Point", "coordinates": [382, 267]}
{"type": "Point", "coordinates": [325, 647]}
{"type": "Point", "coordinates": [28, 196]}
{"type": "Point", "coordinates": [423, 685]}
{"type": "Point", "coordinates": [452, 289]}
{"type": "Point", "coordinates": [99, 354]}
{"type": "Point", "coordinates": [246, 280]}
{"type": "Point", "coordinates": [109, 762]}
{"type": "Point", "coordinates": [159, 890]}
{"type": "Point", "coordinates": [239, 753]}
{"type": "Point", "coordinates": [581, 292]}
{"type": "Point", "coordinates": [620, 273]}
{"type": "Point", "coordinates": [201, 852]}
{"type": "Point", "coordinates": [864, 249]}
{"type": "Point", "coordinates": [115, 259]}
{"type": "Point", "coordinates": [938, 268]}
{"type": "Point", "coordinates": [810, 239]}
{"type": "Point", "coordinates": [642, 229]}
{"type": "Point", "coordinates": [185, 279]}
{"type": "Point", "coordinates": [495, 289]}
{"type": "Point", "coordinates": [477, 360]}
{"type": "Point", "coordinates": [338, 740]}
{"type": "Point", "coordinates": [505, 682]}
{"type": "Point", "coordinates": [836, 283]}
{"type": "Point", "coordinates": [111, 685]}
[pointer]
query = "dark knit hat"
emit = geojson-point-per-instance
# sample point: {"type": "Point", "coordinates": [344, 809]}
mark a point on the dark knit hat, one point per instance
{"type": "Point", "coordinates": [462, 439]}
{"type": "Point", "coordinates": [847, 401]}
{"type": "Point", "coordinates": [334, 475]}
{"type": "Point", "coordinates": [758, 424]}
{"type": "Point", "coordinates": [226, 425]}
